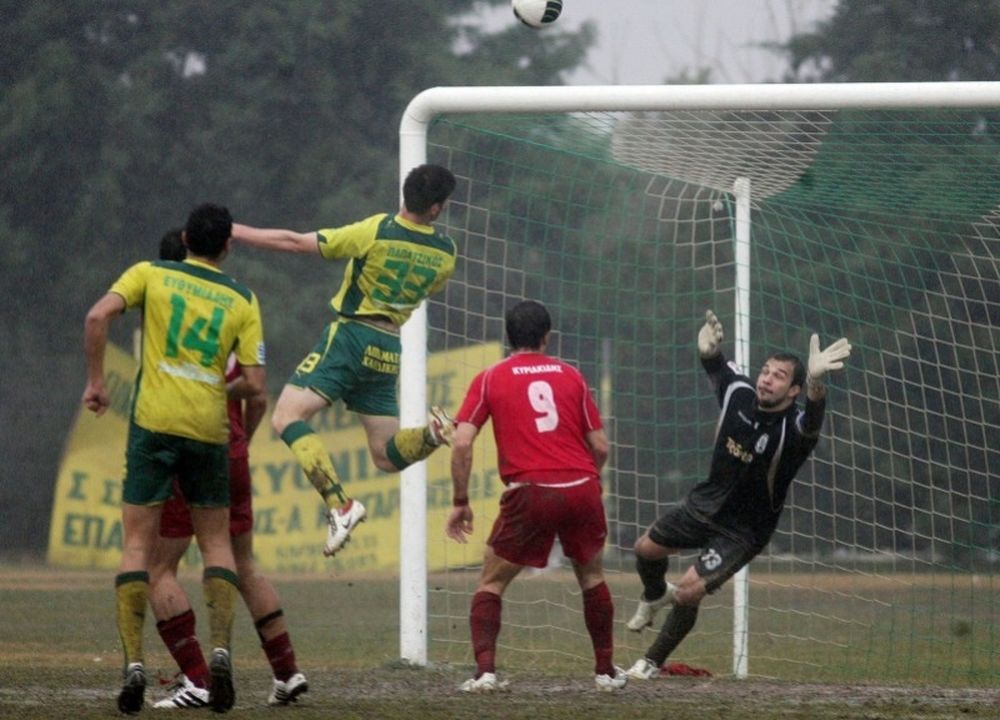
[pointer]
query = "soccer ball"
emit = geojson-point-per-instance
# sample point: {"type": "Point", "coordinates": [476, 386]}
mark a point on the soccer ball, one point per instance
{"type": "Point", "coordinates": [536, 13]}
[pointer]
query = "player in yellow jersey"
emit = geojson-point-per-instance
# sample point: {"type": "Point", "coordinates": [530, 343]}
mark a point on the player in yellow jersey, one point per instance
{"type": "Point", "coordinates": [169, 601]}
{"type": "Point", "coordinates": [394, 262]}
{"type": "Point", "coordinates": [193, 317]}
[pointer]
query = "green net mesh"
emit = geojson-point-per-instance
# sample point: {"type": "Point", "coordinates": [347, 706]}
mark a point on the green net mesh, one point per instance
{"type": "Point", "coordinates": [881, 226]}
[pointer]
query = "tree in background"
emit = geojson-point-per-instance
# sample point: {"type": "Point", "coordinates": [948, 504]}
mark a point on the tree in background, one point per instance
{"type": "Point", "coordinates": [906, 41]}
{"type": "Point", "coordinates": [117, 117]}
{"type": "Point", "coordinates": [901, 41]}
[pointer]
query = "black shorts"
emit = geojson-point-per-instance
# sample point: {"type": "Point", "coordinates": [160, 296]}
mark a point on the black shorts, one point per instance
{"type": "Point", "coordinates": [723, 552]}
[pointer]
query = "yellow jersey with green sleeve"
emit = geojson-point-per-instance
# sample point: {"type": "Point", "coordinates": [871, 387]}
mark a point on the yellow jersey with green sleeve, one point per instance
{"type": "Point", "coordinates": [193, 316]}
{"type": "Point", "coordinates": [393, 265]}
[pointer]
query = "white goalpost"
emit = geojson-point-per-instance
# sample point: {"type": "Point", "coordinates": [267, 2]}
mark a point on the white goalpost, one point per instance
{"type": "Point", "coordinates": [753, 151]}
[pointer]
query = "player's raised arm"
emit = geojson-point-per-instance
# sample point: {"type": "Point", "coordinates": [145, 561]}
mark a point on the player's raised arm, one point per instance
{"type": "Point", "coordinates": [276, 239]}
{"type": "Point", "coordinates": [823, 361]}
{"type": "Point", "coordinates": [710, 336]}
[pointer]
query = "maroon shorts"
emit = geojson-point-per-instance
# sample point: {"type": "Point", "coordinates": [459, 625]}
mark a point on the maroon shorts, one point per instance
{"type": "Point", "coordinates": [175, 522]}
{"type": "Point", "coordinates": [532, 516]}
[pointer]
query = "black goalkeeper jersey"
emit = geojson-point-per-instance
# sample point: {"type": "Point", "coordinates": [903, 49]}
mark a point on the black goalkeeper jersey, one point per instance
{"type": "Point", "coordinates": [755, 458]}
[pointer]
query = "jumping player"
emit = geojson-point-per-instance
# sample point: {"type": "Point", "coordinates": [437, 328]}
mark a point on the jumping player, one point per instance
{"type": "Point", "coordinates": [394, 263]}
{"type": "Point", "coordinates": [762, 439]}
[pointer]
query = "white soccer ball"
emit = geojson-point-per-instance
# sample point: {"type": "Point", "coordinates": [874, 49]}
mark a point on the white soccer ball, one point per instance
{"type": "Point", "coordinates": [537, 13]}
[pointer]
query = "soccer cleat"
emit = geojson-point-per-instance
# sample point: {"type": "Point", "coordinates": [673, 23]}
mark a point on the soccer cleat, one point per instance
{"type": "Point", "coordinates": [607, 683]}
{"type": "Point", "coordinates": [643, 669]}
{"type": "Point", "coordinates": [342, 522]}
{"type": "Point", "coordinates": [284, 692]}
{"type": "Point", "coordinates": [485, 683]}
{"type": "Point", "coordinates": [133, 688]}
{"type": "Point", "coordinates": [183, 694]}
{"type": "Point", "coordinates": [221, 695]}
{"type": "Point", "coordinates": [646, 612]}
{"type": "Point", "coordinates": [441, 425]}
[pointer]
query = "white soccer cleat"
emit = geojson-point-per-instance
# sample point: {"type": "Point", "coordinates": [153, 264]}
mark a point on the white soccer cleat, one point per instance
{"type": "Point", "coordinates": [342, 522]}
{"type": "Point", "coordinates": [285, 692]}
{"type": "Point", "coordinates": [485, 683]}
{"type": "Point", "coordinates": [441, 425]}
{"type": "Point", "coordinates": [643, 670]}
{"type": "Point", "coordinates": [606, 683]}
{"type": "Point", "coordinates": [184, 694]}
{"type": "Point", "coordinates": [646, 612]}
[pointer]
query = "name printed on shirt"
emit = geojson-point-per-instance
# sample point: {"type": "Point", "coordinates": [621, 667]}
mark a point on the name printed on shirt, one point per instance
{"type": "Point", "coordinates": [536, 369]}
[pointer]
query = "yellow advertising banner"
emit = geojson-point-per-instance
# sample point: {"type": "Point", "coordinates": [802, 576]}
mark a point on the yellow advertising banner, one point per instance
{"type": "Point", "coordinates": [289, 516]}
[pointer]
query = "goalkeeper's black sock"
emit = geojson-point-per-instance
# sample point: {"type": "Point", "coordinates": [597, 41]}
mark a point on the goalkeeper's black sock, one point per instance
{"type": "Point", "coordinates": [653, 574]}
{"type": "Point", "coordinates": [678, 624]}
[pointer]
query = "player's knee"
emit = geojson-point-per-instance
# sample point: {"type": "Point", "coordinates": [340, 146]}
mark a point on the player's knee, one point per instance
{"type": "Point", "coordinates": [279, 423]}
{"type": "Point", "coordinates": [646, 548]}
{"type": "Point", "coordinates": [245, 568]}
{"type": "Point", "coordinates": [157, 574]}
{"type": "Point", "coordinates": [383, 463]}
{"type": "Point", "coordinates": [690, 594]}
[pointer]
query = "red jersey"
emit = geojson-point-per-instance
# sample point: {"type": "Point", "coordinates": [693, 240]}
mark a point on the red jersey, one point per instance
{"type": "Point", "coordinates": [542, 410]}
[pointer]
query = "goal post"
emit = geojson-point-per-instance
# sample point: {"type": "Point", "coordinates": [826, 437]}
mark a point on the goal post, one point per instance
{"type": "Point", "coordinates": [865, 209]}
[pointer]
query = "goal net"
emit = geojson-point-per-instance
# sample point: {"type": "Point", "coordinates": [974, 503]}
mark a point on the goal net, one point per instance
{"type": "Point", "coordinates": [876, 223]}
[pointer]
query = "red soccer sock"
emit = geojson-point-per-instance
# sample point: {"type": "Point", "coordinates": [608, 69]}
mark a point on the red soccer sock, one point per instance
{"type": "Point", "coordinates": [281, 656]}
{"type": "Point", "coordinates": [178, 634]}
{"type": "Point", "coordinates": [484, 621]}
{"type": "Point", "coordinates": [599, 616]}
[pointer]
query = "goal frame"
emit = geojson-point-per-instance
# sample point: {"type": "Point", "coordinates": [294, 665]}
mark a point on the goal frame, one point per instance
{"type": "Point", "coordinates": [413, 130]}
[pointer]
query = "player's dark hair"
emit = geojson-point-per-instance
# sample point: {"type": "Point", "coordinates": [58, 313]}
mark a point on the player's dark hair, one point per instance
{"type": "Point", "coordinates": [172, 245]}
{"type": "Point", "coordinates": [426, 185]}
{"type": "Point", "coordinates": [527, 324]}
{"type": "Point", "coordinates": [798, 369]}
{"type": "Point", "coordinates": [208, 228]}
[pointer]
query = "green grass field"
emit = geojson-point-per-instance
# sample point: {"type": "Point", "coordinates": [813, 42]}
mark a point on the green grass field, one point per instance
{"type": "Point", "coordinates": [59, 657]}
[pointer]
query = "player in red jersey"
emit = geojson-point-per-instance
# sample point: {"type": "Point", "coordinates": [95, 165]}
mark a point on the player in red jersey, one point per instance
{"type": "Point", "coordinates": [551, 446]}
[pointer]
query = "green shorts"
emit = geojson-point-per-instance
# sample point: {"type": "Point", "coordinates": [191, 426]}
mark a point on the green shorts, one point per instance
{"type": "Point", "coordinates": [153, 460]}
{"type": "Point", "coordinates": [354, 362]}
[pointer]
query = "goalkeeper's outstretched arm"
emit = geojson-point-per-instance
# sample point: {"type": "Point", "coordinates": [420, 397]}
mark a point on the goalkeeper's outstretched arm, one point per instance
{"type": "Point", "coordinates": [710, 351]}
{"type": "Point", "coordinates": [820, 362]}
{"type": "Point", "coordinates": [823, 361]}
{"type": "Point", "coordinates": [710, 337]}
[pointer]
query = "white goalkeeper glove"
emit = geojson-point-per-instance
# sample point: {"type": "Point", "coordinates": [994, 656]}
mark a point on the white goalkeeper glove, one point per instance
{"type": "Point", "coordinates": [710, 336]}
{"type": "Point", "coordinates": [822, 361]}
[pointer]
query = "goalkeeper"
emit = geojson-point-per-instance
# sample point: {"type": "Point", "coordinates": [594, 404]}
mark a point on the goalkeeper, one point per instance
{"type": "Point", "coordinates": [762, 439]}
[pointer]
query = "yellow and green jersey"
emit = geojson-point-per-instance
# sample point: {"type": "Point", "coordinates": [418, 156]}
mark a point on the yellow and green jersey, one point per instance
{"type": "Point", "coordinates": [193, 316]}
{"type": "Point", "coordinates": [394, 264]}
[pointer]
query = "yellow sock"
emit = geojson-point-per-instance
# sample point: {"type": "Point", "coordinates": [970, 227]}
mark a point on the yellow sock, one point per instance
{"type": "Point", "coordinates": [410, 445]}
{"type": "Point", "coordinates": [220, 587]}
{"type": "Point", "coordinates": [315, 461]}
{"type": "Point", "coordinates": [131, 593]}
